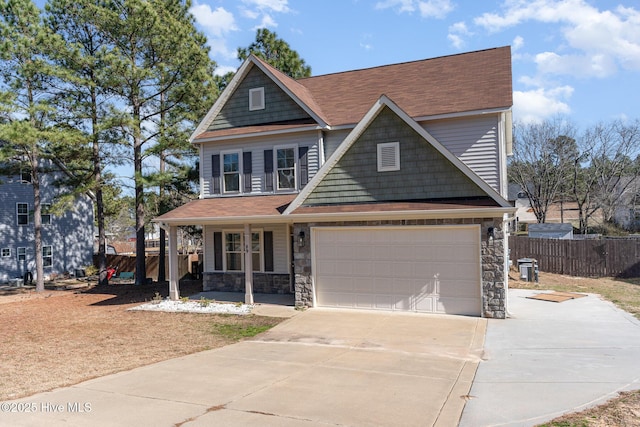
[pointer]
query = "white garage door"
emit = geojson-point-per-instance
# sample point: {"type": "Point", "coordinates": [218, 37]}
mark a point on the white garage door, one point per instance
{"type": "Point", "coordinates": [424, 269]}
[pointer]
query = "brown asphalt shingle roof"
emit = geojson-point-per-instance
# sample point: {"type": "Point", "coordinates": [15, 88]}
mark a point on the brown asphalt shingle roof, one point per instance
{"type": "Point", "coordinates": [473, 81]}
{"type": "Point", "coordinates": [230, 207]}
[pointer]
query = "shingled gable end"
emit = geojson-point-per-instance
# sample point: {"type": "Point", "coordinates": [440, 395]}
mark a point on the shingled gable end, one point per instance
{"type": "Point", "coordinates": [293, 170]}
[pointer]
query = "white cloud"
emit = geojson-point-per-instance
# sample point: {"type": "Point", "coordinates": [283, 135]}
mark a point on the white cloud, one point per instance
{"type": "Point", "coordinates": [537, 104]}
{"type": "Point", "coordinates": [428, 9]}
{"type": "Point", "coordinates": [267, 22]}
{"type": "Point", "coordinates": [597, 42]}
{"type": "Point", "coordinates": [224, 69]}
{"type": "Point", "coordinates": [280, 6]}
{"type": "Point", "coordinates": [215, 22]}
{"type": "Point", "coordinates": [456, 35]}
{"type": "Point", "coordinates": [517, 43]}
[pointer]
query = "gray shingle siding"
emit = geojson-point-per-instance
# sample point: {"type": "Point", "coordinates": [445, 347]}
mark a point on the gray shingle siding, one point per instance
{"type": "Point", "coordinates": [70, 234]}
{"type": "Point", "coordinates": [279, 107]}
{"type": "Point", "coordinates": [424, 172]}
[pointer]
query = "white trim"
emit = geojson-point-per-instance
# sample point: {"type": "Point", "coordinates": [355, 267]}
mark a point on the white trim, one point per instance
{"type": "Point", "coordinates": [223, 189]}
{"type": "Point", "coordinates": [261, 104]}
{"type": "Point", "coordinates": [313, 230]}
{"type": "Point", "coordinates": [18, 214]}
{"type": "Point", "coordinates": [258, 134]}
{"type": "Point", "coordinates": [353, 136]}
{"type": "Point", "coordinates": [222, 99]}
{"type": "Point", "coordinates": [489, 212]}
{"type": "Point", "coordinates": [233, 85]}
{"type": "Point", "coordinates": [388, 155]}
{"type": "Point", "coordinates": [243, 243]}
{"type": "Point", "coordinates": [18, 254]}
{"type": "Point", "coordinates": [49, 256]}
{"type": "Point", "coordinates": [2, 252]}
{"type": "Point", "coordinates": [296, 168]}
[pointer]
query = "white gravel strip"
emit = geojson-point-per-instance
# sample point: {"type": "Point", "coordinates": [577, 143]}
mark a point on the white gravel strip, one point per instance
{"type": "Point", "coordinates": [195, 307]}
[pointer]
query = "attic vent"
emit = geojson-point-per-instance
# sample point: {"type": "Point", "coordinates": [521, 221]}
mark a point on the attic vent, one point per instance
{"type": "Point", "coordinates": [256, 99]}
{"type": "Point", "coordinates": [389, 156]}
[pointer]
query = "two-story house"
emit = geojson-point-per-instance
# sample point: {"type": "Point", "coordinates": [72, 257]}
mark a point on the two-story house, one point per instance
{"type": "Point", "coordinates": [381, 188]}
{"type": "Point", "coordinates": [67, 238]}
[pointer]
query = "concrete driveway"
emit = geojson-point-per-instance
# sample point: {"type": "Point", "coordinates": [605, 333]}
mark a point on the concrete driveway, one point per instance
{"type": "Point", "coordinates": [350, 368]}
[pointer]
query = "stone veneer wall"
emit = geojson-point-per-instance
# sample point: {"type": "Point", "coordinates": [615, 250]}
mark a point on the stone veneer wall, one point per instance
{"type": "Point", "coordinates": [265, 283]}
{"type": "Point", "coordinates": [492, 253]}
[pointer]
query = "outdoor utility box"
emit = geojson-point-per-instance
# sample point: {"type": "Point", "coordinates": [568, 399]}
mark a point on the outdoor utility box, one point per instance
{"type": "Point", "coordinates": [528, 268]}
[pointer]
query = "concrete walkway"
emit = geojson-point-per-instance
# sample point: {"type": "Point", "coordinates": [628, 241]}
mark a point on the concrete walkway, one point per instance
{"type": "Point", "coordinates": [320, 367]}
{"type": "Point", "coordinates": [553, 358]}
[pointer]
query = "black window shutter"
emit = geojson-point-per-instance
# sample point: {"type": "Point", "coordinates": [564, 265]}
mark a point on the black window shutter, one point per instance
{"type": "Point", "coordinates": [246, 170]}
{"type": "Point", "coordinates": [268, 170]}
{"type": "Point", "coordinates": [215, 167]}
{"type": "Point", "coordinates": [268, 250]}
{"type": "Point", "coordinates": [303, 156]}
{"type": "Point", "coordinates": [217, 251]}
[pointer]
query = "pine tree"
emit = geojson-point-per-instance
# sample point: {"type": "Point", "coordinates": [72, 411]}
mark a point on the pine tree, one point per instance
{"type": "Point", "coordinates": [26, 95]}
{"type": "Point", "coordinates": [161, 67]}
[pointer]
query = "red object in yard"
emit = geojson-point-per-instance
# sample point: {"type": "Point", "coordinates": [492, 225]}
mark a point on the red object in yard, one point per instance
{"type": "Point", "coordinates": [111, 272]}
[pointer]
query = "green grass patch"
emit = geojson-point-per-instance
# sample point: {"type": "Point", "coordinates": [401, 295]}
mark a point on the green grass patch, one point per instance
{"type": "Point", "coordinates": [236, 332]}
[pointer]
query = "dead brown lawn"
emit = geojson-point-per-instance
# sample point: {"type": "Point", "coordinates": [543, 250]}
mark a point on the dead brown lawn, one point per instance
{"type": "Point", "coordinates": [624, 410]}
{"type": "Point", "coordinates": [62, 338]}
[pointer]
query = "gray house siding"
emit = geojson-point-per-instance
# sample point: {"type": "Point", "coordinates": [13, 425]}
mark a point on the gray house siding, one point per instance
{"type": "Point", "coordinates": [70, 234]}
{"type": "Point", "coordinates": [279, 107]}
{"type": "Point", "coordinates": [257, 146]}
{"type": "Point", "coordinates": [424, 172]}
{"type": "Point", "coordinates": [474, 140]}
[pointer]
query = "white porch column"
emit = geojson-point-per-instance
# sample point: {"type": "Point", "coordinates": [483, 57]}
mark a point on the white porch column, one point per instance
{"type": "Point", "coordinates": [174, 290]}
{"type": "Point", "coordinates": [248, 265]}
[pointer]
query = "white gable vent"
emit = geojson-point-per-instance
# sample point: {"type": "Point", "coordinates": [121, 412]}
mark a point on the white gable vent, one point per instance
{"type": "Point", "coordinates": [389, 156]}
{"type": "Point", "coordinates": [256, 99]}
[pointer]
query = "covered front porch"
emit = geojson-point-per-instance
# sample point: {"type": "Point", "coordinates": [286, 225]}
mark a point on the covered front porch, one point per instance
{"type": "Point", "coordinates": [247, 245]}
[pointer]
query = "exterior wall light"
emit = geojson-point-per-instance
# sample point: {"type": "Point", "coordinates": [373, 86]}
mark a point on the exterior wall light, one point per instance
{"type": "Point", "coordinates": [301, 238]}
{"type": "Point", "coordinates": [491, 233]}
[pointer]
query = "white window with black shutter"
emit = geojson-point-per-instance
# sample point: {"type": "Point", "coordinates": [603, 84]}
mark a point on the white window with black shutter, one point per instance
{"type": "Point", "coordinates": [286, 168]}
{"type": "Point", "coordinates": [231, 172]}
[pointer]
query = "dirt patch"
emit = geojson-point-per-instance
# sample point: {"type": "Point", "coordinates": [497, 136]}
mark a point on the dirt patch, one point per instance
{"type": "Point", "coordinates": [59, 338]}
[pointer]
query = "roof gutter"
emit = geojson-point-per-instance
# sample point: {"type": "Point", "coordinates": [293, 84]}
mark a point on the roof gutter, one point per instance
{"type": "Point", "coordinates": [493, 212]}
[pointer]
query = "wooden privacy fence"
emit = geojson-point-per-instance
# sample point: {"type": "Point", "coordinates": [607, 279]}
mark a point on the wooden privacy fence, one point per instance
{"type": "Point", "coordinates": [128, 263]}
{"type": "Point", "coordinates": [585, 258]}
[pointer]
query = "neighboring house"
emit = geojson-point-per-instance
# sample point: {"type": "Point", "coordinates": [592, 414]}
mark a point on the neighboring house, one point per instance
{"type": "Point", "coordinates": [551, 231]}
{"type": "Point", "coordinates": [382, 188]}
{"type": "Point", "coordinates": [627, 212]}
{"type": "Point", "coordinates": [67, 239]}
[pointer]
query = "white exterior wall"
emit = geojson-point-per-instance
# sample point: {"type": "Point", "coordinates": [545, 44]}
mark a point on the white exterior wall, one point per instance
{"type": "Point", "coordinates": [257, 146]}
{"type": "Point", "coordinates": [281, 246]}
{"type": "Point", "coordinates": [475, 141]}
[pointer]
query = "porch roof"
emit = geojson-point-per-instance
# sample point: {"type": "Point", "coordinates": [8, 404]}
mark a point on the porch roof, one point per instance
{"type": "Point", "coordinates": [236, 209]}
{"type": "Point", "coordinates": [269, 209]}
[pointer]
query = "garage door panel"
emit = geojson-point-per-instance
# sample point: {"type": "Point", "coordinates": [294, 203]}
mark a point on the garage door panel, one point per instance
{"type": "Point", "coordinates": [424, 269]}
{"type": "Point", "coordinates": [461, 306]}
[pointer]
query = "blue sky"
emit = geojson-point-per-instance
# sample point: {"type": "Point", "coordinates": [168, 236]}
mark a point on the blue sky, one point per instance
{"type": "Point", "coordinates": [576, 58]}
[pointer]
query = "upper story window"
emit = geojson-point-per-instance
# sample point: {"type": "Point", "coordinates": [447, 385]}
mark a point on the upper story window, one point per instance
{"type": "Point", "coordinates": [286, 168]}
{"type": "Point", "coordinates": [46, 214]}
{"type": "Point", "coordinates": [389, 157]}
{"type": "Point", "coordinates": [231, 172]}
{"type": "Point", "coordinates": [6, 252]}
{"type": "Point", "coordinates": [22, 213]}
{"type": "Point", "coordinates": [256, 99]}
{"type": "Point", "coordinates": [25, 176]}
